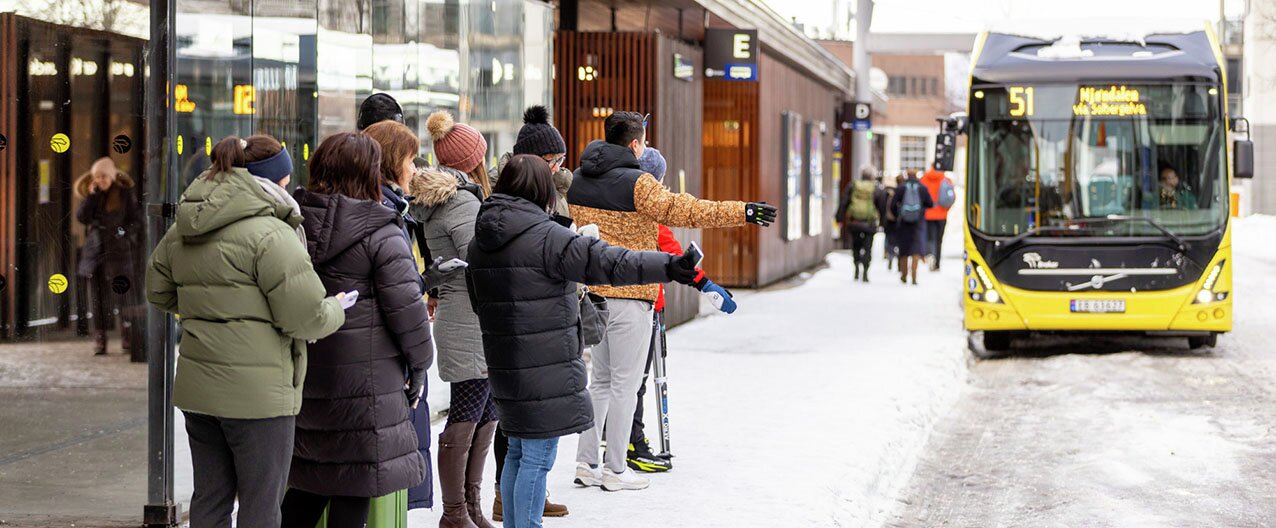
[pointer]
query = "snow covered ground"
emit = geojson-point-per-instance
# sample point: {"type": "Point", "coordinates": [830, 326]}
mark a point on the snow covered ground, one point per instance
{"type": "Point", "coordinates": [807, 407]}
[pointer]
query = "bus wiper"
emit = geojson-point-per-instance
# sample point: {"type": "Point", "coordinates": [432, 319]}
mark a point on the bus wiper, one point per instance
{"type": "Point", "coordinates": [1183, 244]}
{"type": "Point", "coordinates": [1018, 239]}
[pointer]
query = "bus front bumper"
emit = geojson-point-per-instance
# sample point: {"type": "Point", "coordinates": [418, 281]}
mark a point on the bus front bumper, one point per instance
{"type": "Point", "coordinates": [1169, 310]}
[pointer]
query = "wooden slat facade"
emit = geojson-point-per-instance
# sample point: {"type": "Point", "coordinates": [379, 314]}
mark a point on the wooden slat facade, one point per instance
{"type": "Point", "coordinates": [10, 81]}
{"type": "Point", "coordinates": [730, 143]}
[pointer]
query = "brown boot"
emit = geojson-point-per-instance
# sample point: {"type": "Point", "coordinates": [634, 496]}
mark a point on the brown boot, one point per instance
{"type": "Point", "coordinates": [479, 447]}
{"type": "Point", "coordinates": [99, 346]}
{"type": "Point", "coordinates": [497, 509]}
{"type": "Point", "coordinates": [454, 452]}
{"type": "Point", "coordinates": [554, 510]}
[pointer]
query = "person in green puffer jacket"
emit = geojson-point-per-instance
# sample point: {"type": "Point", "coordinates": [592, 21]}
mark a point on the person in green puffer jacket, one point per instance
{"type": "Point", "coordinates": [234, 269]}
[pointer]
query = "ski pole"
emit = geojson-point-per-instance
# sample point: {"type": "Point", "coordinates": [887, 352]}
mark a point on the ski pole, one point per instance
{"type": "Point", "coordinates": [662, 387]}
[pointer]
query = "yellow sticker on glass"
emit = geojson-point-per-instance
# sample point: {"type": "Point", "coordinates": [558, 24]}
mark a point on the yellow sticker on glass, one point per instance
{"type": "Point", "coordinates": [60, 143]}
{"type": "Point", "coordinates": [57, 283]}
{"type": "Point", "coordinates": [179, 145]}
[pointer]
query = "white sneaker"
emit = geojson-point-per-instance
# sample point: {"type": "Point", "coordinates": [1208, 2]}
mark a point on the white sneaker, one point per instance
{"type": "Point", "coordinates": [587, 476]}
{"type": "Point", "coordinates": [628, 480]}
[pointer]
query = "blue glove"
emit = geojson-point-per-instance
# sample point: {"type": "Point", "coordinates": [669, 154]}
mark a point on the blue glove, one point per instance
{"type": "Point", "coordinates": [719, 296]}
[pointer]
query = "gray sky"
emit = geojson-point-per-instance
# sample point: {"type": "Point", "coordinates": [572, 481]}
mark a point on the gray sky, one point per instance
{"type": "Point", "coordinates": [933, 16]}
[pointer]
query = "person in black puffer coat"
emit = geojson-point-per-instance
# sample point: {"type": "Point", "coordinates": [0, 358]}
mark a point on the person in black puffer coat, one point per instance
{"type": "Point", "coordinates": [523, 268]}
{"type": "Point", "coordinates": [354, 438]}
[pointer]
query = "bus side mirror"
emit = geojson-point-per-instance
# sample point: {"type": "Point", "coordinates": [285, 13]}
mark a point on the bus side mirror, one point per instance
{"type": "Point", "coordinates": [945, 150]}
{"type": "Point", "coordinates": [1243, 158]}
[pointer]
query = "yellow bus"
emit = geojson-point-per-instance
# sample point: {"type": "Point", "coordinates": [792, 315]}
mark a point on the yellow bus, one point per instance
{"type": "Point", "coordinates": [1097, 194]}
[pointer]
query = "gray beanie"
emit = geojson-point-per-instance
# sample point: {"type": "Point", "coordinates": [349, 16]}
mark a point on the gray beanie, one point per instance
{"type": "Point", "coordinates": [653, 163]}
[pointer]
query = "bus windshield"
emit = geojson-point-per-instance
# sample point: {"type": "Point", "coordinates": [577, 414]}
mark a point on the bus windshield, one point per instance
{"type": "Point", "coordinates": [1147, 160]}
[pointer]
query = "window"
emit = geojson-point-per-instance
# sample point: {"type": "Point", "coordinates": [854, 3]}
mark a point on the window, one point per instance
{"type": "Point", "coordinates": [912, 152]}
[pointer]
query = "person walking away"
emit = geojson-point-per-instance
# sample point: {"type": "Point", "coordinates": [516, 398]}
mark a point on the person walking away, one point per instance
{"type": "Point", "coordinates": [909, 204]}
{"type": "Point", "coordinates": [640, 457]}
{"type": "Point", "coordinates": [944, 195]}
{"type": "Point", "coordinates": [610, 191]}
{"type": "Point", "coordinates": [446, 204]}
{"type": "Point", "coordinates": [538, 138]}
{"type": "Point", "coordinates": [862, 217]}
{"type": "Point", "coordinates": [232, 267]}
{"type": "Point", "coordinates": [524, 264]}
{"type": "Point", "coordinates": [112, 218]}
{"type": "Point", "coordinates": [882, 199]}
{"type": "Point", "coordinates": [355, 440]}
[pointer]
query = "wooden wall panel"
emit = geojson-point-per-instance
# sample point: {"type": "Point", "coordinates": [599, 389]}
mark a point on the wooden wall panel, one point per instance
{"type": "Point", "coordinates": [786, 90]}
{"type": "Point", "coordinates": [731, 172]}
{"type": "Point", "coordinates": [619, 70]}
{"type": "Point", "coordinates": [677, 122]}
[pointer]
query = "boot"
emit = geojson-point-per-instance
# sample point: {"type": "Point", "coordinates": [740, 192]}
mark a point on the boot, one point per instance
{"type": "Point", "coordinates": [126, 336]}
{"type": "Point", "coordinates": [99, 346]}
{"type": "Point", "coordinates": [865, 277]}
{"type": "Point", "coordinates": [554, 510]}
{"type": "Point", "coordinates": [454, 453]}
{"type": "Point", "coordinates": [479, 446]}
{"type": "Point", "coordinates": [551, 509]}
{"type": "Point", "coordinates": [857, 271]}
{"type": "Point", "coordinates": [497, 509]}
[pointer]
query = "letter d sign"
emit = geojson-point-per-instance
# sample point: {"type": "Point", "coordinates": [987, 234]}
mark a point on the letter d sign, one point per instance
{"type": "Point", "coordinates": [740, 47]}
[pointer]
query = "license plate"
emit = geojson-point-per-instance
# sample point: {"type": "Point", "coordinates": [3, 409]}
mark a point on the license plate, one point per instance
{"type": "Point", "coordinates": [1098, 306]}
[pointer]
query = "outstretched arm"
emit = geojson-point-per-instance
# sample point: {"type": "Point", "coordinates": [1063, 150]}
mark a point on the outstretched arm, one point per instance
{"type": "Point", "coordinates": [653, 200]}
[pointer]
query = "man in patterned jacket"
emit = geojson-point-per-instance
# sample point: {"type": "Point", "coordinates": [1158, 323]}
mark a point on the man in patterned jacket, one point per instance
{"type": "Point", "coordinates": [628, 205]}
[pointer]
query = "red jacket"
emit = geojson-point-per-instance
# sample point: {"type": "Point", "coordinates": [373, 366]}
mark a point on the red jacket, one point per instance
{"type": "Point", "coordinates": [669, 244]}
{"type": "Point", "coordinates": [932, 180]}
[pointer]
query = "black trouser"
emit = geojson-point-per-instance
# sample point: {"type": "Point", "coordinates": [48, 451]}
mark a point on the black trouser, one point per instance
{"type": "Point", "coordinates": [303, 509]}
{"type": "Point", "coordinates": [500, 448]}
{"type": "Point", "coordinates": [636, 434]}
{"type": "Point", "coordinates": [935, 239]}
{"type": "Point", "coordinates": [862, 245]}
{"type": "Point", "coordinates": [231, 458]}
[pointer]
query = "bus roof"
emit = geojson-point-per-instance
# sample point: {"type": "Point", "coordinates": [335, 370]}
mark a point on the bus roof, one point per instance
{"type": "Point", "coordinates": [1006, 58]}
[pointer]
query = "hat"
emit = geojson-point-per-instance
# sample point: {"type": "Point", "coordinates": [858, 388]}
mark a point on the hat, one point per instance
{"type": "Point", "coordinates": [538, 137]}
{"type": "Point", "coordinates": [379, 107]}
{"type": "Point", "coordinates": [653, 162]}
{"type": "Point", "coordinates": [457, 145]}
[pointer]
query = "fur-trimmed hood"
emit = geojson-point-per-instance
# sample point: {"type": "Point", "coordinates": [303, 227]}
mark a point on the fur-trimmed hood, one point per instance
{"type": "Point", "coordinates": [82, 183]}
{"type": "Point", "coordinates": [432, 186]}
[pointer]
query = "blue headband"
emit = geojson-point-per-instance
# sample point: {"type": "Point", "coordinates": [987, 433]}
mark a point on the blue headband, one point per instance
{"type": "Point", "coordinates": [274, 168]}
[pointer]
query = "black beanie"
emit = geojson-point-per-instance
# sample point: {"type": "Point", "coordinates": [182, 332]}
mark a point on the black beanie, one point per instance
{"type": "Point", "coordinates": [379, 107]}
{"type": "Point", "coordinates": [538, 137]}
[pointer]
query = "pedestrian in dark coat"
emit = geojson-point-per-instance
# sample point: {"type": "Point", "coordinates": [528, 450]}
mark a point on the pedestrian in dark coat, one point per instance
{"type": "Point", "coordinates": [910, 236]}
{"type": "Point", "coordinates": [354, 438]}
{"type": "Point", "coordinates": [112, 217]}
{"type": "Point", "coordinates": [523, 266]}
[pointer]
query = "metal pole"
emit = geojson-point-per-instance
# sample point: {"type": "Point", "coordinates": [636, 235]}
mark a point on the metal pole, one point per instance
{"type": "Point", "coordinates": [662, 386]}
{"type": "Point", "coordinates": [860, 154]}
{"type": "Point", "coordinates": [159, 195]}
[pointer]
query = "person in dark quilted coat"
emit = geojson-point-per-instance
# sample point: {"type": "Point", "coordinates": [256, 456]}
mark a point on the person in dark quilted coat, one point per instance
{"type": "Point", "coordinates": [524, 264]}
{"type": "Point", "coordinates": [354, 439]}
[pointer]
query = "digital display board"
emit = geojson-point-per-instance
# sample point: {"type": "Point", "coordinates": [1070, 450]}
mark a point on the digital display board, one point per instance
{"type": "Point", "coordinates": [1104, 100]}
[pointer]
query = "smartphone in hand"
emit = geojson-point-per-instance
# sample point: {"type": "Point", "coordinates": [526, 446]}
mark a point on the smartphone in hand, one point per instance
{"type": "Point", "coordinates": [696, 254]}
{"type": "Point", "coordinates": [453, 264]}
{"type": "Point", "coordinates": [347, 299]}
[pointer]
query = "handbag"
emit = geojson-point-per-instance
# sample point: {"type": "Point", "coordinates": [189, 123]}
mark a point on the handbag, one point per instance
{"type": "Point", "coordinates": [593, 317]}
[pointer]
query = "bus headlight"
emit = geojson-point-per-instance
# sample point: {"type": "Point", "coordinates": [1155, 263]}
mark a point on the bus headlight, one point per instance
{"type": "Point", "coordinates": [989, 294]}
{"type": "Point", "coordinates": [1207, 293]}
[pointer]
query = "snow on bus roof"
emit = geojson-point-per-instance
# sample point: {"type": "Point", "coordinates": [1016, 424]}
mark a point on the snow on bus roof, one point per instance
{"type": "Point", "coordinates": [1124, 30]}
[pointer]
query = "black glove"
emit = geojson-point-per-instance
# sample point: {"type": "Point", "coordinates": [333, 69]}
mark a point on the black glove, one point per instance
{"type": "Point", "coordinates": [435, 277]}
{"type": "Point", "coordinates": [416, 385]}
{"type": "Point", "coordinates": [682, 270]}
{"type": "Point", "coordinates": [759, 213]}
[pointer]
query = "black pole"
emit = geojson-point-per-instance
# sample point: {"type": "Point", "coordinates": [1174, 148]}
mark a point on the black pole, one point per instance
{"type": "Point", "coordinates": [159, 196]}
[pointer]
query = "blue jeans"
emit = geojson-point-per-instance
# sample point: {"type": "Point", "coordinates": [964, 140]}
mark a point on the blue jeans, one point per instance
{"type": "Point", "coordinates": [527, 466]}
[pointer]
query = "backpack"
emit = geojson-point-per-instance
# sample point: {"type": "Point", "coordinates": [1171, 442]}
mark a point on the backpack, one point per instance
{"type": "Point", "coordinates": [910, 209]}
{"type": "Point", "coordinates": [862, 208]}
{"type": "Point", "coordinates": [947, 195]}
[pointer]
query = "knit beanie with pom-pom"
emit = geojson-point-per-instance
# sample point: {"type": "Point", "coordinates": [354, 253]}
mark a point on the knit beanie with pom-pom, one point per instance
{"type": "Point", "coordinates": [457, 145]}
{"type": "Point", "coordinates": [538, 137]}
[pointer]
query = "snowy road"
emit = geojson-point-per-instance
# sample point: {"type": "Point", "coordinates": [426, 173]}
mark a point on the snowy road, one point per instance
{"type": "Point", "coordinates": [1120, 433]}
{"type": "Point", "coordinates": [806, 408]}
